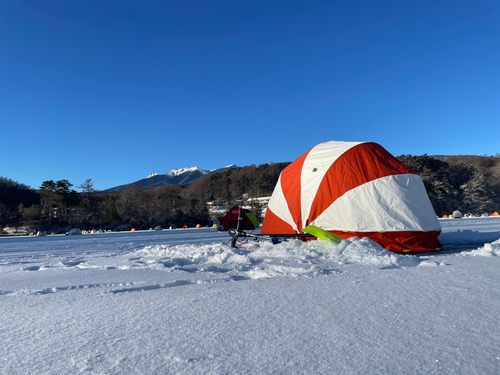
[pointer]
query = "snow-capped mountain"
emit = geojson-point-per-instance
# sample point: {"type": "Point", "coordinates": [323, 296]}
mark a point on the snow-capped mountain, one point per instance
{"type": "Point", "coordinates": [181, 176]}
{"type": "Point", "coordinates": [181, 171]}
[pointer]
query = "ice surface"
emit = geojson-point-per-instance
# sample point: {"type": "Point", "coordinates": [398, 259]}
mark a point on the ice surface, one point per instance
{"type": "Point", "coordinates": [185, 302]}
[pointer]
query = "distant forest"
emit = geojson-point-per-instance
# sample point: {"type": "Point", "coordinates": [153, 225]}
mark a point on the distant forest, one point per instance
{"type": "Point", "coordinates": [470, 184]}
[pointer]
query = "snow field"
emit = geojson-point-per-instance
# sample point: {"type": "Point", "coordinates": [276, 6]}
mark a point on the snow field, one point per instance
{"type": "Point", "coordinates": [186, 303]}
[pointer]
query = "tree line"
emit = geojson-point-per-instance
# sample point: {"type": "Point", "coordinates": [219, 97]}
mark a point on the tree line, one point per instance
{"type": "Point", "coordinates": [470, 184]}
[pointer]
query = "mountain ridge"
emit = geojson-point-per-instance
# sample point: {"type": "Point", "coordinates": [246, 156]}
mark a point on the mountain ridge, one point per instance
{"type": "Point", "coordinates": [180, 176]}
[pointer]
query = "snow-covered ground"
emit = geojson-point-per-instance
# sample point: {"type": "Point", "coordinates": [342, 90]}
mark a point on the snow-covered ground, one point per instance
{"type": "Point", "coordinates": [184, 302]}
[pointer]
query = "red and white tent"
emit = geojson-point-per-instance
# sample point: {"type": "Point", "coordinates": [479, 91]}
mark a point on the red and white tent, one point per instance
{"type": "Point", "coordinates": [354, 189]}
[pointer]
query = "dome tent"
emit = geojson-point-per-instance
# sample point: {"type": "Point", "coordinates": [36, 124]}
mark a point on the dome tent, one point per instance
{"type": "Point", "coordinates": [354, 189]}
{"type": "Point", "coordinates": [230, 221]}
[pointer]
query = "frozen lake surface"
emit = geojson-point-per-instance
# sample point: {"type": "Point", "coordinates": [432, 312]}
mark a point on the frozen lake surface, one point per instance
{"type": "Point", "coordinates": [184, 302]}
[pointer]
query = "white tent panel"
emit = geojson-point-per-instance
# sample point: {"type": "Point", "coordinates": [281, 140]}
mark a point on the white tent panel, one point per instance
{"type": "Point", "coordinates": [279, 206]}
{"type": "Point", "coordinates": [316, 164]}
{"type": "Point", "coordinates": [392, 203]}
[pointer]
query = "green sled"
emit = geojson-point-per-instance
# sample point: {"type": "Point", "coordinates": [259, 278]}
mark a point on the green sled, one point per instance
{"type": "Point", "coordinates": [323, 234]}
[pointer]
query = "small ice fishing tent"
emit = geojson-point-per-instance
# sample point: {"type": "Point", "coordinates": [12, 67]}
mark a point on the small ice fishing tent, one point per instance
{"type": "Point", "coordinates": [230, 221]}
{"type": "Point", "coordinates": [354, 189]}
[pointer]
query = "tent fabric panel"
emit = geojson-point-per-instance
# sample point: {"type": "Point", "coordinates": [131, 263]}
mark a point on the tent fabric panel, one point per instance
{"type": "Point", "coordinates": [230, 220]}
{"type": "Point", "coordinates": [358, 165]}
{"type": "Point", "coordinates": [278, 205]}
{"type": "Point", "coordinates": [230, 223]}
{"type": "Point", "coordinates": [391, 203]}
{"type": "Point", "coordinates": [291, 188]}
{"type": "Point", "coordinates": [316, 165]}
{"type": "Point", "coordinates": [230, 215]}
{"type": "Point", "coordinates": [275, 225]}
{"type": "Point", "coordinates": [252, 218]}
{"type": "Point", "coordinates": [400, 242]}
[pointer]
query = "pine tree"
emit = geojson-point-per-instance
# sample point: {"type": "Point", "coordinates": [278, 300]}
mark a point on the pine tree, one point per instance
{"type": "Point", "coordinates": [87, 209]}
{"type": "Point", "coordinates": [49, 197]}
{"type": "Point", "coordinates": [475, 194]}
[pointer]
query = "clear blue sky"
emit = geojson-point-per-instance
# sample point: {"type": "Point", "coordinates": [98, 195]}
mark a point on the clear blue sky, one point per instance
{"type": "Point", "coordinates": [115, 90]}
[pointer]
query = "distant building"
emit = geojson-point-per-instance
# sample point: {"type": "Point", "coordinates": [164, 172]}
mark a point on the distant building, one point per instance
{"type": "Point", "coordinates": [256, 205]}
{"type": "Point", "coordinates": [216, 208]}
{"type": "Point", "coordinates": [262, 202]}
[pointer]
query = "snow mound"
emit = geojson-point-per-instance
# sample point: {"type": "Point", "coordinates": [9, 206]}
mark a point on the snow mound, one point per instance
{"type": "Point", "coordinates": [488, 250]}
{"type": "Point", "coordinates": [256, 261]}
